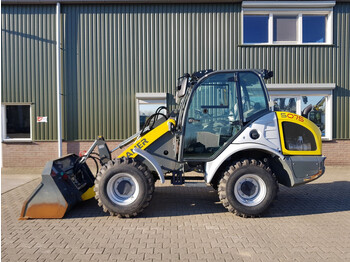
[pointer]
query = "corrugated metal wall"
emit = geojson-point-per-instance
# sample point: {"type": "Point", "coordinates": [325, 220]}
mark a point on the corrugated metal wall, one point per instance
{"type": "Point", "coordinates": [110, 52]}
{"type": "Point", "coordinates": [341, 108]}
{"type": "Point", "coordinates": [28, 62]}
{"type": "Point", "coordinates": [113, 51]}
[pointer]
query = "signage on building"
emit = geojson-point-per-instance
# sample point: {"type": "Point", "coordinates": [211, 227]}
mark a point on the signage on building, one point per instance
{"type": "Point", "coordinates": [41, 119]}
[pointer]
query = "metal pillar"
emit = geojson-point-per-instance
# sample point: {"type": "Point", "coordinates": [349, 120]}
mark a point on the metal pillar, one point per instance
{"type": "Point", "coordinates": [58, 68]}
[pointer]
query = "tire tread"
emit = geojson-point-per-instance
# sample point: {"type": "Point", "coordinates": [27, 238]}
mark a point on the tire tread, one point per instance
{"type": "Point", "coordinates": [229, 172]}
{"type": "Point", "coordinates": [118, 162]}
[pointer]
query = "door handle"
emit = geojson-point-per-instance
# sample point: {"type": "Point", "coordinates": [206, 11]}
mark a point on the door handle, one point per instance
{"type": "Point", "coordinates": [193, 120]}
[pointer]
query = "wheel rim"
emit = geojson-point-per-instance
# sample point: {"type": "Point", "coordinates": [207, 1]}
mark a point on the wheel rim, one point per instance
{"type": "Point", "coordinates": [123, 189]}
{"type": "Point", "coordinates": [250, 190]}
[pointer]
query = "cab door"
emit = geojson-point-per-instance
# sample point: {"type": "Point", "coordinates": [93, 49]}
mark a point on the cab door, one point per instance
{"type": "Point", "coordinates": [212, 116]}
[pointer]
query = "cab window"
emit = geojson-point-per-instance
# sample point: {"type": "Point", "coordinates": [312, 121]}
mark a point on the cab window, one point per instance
{"type": "Point", "coordinates": [252, 94]}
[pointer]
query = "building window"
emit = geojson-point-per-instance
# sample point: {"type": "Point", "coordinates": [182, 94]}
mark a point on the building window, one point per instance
{"type": "Point", "coordinates": [314, 29]}
{"type": "Point", "coordinates": [146, 105]}
{"type": "Point", "coordinates": [16, 122]}
{"type": "Point", "coordinates": [256, 28]}
{"type": "Point", "coordinates": [285, 28]}
{"type": "Point", "coordinates": [282, 103]}
{"type": "Point", "coordinates": [312, 100]}
{"type": "Point", "coordinates": [276, 23]}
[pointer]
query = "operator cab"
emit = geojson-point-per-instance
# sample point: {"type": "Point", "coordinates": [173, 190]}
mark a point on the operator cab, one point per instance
{"type": "Point", "coordinates": [218, 107]}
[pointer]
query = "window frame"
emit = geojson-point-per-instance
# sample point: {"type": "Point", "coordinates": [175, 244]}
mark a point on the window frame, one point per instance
{"type": "Point", "coordinates": [290, 8]}
{"type": "Point", "coordinates": [300, 90]}
{"type": "Point", "coordinates": [4, 122]}
{"type": "Point", "coordinates": [146, 98]}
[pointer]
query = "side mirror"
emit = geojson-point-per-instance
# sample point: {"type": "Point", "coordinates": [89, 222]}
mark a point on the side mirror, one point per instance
{"type": "Point", "coordinates": [266, 74]}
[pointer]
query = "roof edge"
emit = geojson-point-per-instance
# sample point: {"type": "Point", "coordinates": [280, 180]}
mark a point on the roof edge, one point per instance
{"type": "Point", "coordinates": [116, 1]}
{"type": "Point", "coordinates": [44, 2]}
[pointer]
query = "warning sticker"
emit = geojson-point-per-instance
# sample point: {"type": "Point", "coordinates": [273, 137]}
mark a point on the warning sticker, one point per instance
{"type": "Point", "coordinates": [41, 119]}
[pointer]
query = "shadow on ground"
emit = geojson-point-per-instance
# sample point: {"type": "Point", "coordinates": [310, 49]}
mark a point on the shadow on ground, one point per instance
{"type": "Point", "coordinates": [167, 201]}
{"type": "Point", "coordinates": [312, 199]}
{"type": "Point", "coordinates": [181, 201]}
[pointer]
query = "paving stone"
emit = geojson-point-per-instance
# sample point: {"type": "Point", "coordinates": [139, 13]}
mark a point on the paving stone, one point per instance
{"type": "Point", "coordinates": [135, 257]}
{"type": "Point", "coordinates": [49, 257]}
{"type": "Point", "coordinates": [100, 257]}
{"type": "Point", "coordinates": [153, 257]}
{"type": "Point", "coordinates": [94, 250]}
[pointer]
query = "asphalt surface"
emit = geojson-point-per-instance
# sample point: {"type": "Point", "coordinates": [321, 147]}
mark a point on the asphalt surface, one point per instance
{"type": "Point", "coordinates": [187, 223]}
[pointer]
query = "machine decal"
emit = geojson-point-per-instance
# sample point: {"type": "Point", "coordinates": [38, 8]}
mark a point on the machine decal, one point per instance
{"type": "Point", "coordinates": [146, 140]}
{"type": "Point", "coordinates": [292, 116]}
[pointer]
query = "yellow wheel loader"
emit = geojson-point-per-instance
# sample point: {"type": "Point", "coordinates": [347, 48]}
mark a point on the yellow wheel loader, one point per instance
{"type": "Point", "coordinates": [223, 128]}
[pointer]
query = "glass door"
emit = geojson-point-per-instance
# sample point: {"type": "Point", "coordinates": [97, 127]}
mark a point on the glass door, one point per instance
{"type": "Point", "coordinates": [212, 117]}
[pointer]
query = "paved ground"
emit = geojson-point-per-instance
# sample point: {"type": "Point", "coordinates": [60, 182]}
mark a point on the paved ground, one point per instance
{"type": "Point", "coordinates": [9, 182]}
{"type": "Point", "coordinates": [307, 223]}
{"type": "Point", "coordinates": [14, 177]}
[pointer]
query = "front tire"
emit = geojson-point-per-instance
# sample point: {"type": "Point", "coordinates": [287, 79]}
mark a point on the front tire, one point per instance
{"type": "Point", "coordinates": [124, 187]}
{"type": "Point", "coordinates": [248, 188]}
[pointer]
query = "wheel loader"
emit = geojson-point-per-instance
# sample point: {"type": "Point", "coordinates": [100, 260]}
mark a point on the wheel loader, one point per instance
{"type": "Point", "coordinates": [223, 128]}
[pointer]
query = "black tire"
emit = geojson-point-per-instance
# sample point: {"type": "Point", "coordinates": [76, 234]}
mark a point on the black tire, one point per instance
{"type": "Point", "coordinates": [124, 187]}
{"type": "Point", "coordinates": [248, 188]}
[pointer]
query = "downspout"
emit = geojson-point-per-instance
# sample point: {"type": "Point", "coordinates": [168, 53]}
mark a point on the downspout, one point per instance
{"type": "Point", "coordinates": [58, 68]}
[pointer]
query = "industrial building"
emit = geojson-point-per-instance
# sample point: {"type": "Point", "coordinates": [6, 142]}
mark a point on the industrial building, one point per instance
{"type": "Point", "coordinates": [73, 70]}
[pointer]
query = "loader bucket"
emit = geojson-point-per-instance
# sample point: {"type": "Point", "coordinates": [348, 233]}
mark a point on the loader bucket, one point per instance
{"type": "Point", "coordinates": [64, 183]}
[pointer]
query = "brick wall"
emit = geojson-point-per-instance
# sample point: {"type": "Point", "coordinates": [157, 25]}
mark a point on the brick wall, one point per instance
{"type": "Point", "coordinates": [36, 154]}
{"type": "Point", "coordinates": [337, 152]}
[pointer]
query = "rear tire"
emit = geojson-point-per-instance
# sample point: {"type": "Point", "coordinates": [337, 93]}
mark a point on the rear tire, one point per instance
{"type": "Point", "coordinates": [124, 187]}
{"type": "Point", "coordinates": [248, 188]}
